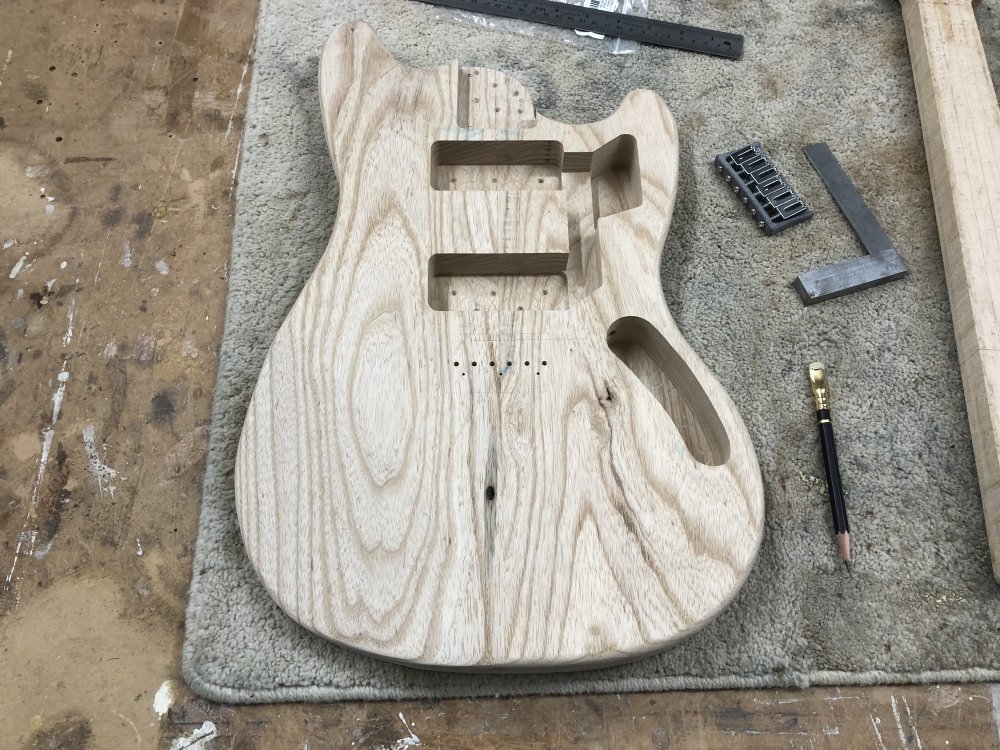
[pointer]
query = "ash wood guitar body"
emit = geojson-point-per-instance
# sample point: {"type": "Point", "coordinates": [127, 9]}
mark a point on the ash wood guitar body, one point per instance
{"type": "Point", "coordinates": [479, 440]}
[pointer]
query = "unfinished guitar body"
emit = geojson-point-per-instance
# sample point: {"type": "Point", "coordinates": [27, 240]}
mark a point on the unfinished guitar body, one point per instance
{"type": "Point", "coordinates": [479, 440]}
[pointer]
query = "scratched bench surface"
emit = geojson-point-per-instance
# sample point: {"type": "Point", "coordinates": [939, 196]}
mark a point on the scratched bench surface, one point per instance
{"type": "Point", "coordinates": [125, 121]}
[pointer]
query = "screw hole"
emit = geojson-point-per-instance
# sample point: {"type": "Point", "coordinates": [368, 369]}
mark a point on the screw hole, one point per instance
{"type": "Point", "coordinates": [544, 363]}
{"type": "Point", "coordinates": [509, 363]}
{"type": "Point", "coordinates": [493, 364]}
{"type": "Point", "coordinates": [473, 364]}
{"type": "Point", "coordinates": [491, 493]}
{"type": "Point", "coordinates": [456, 364]}
{"type": "Point", "coordinates": [526, 363]}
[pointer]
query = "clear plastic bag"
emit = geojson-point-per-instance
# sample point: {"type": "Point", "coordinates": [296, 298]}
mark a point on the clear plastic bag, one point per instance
{"type": "Point", "coordinates": [613, 45]}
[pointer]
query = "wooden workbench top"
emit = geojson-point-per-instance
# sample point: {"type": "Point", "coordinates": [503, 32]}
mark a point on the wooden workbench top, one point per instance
{"type": "Point", "coordinates": [119, 129]}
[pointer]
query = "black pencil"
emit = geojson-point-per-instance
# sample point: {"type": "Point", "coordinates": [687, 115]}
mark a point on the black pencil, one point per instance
{"type": "Point", "coordinates": [821, 392]}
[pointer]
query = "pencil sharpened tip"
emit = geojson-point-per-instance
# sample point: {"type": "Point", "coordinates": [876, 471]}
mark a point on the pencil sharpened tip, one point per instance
{"type": "Point", "coordinates": [847, 564]}
{"type": "Point", "coordinates": [844, 545]}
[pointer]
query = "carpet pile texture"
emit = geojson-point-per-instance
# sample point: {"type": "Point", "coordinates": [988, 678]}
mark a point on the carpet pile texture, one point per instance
{"type": "Point", "coordinates": [922, 605]}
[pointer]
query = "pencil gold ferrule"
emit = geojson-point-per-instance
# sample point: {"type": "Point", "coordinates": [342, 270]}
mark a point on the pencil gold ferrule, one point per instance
{"type": "Point", "coordinates": [821, 392]}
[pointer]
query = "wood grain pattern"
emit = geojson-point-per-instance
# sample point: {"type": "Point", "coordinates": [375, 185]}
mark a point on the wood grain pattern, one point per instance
{"type": "Point", "coordinates": [479, 440]}
{"type": "Point", "coordinates": [961, 124]}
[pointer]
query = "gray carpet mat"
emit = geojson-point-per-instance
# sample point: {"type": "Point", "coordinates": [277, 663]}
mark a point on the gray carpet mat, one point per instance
{"type": "Point", "coordinates": [922, 605]}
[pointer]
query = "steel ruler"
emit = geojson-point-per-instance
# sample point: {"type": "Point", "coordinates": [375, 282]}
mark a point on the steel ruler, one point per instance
{"type": "Point", "coordinates": [621, 25]}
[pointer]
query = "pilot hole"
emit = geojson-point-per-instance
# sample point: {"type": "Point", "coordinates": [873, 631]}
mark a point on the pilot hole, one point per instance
{"type": "Point", "coordinates": [492, 363]}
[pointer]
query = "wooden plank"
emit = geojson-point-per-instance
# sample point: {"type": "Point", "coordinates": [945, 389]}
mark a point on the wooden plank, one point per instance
{"type": "Point", "coordinates": [961, 124]}
{"type": "Point", "coordinates": [497, 486]}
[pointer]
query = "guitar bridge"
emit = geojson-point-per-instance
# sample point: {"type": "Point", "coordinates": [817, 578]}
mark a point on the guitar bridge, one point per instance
{"type": "Point", "coordinates": [762, 188]}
